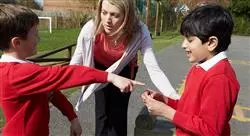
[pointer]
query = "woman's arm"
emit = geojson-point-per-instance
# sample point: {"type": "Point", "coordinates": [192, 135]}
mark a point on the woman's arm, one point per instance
{"type": "Point", "coordinates": [77, 58]}
{"type": "Point", "coordinates": [81, 46]}
{"type": "Point", "coordinates": [156, 74]}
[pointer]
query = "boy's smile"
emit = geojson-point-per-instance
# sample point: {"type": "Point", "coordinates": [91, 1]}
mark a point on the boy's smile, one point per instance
{"type": "Point", "coordinates": [195, 50]}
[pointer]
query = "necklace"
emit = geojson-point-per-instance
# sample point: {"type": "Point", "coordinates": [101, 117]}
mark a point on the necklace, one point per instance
{"type": "Point", "coordinates": [115, 42]}
{"type": "Point", "coordinates": [112, 43]}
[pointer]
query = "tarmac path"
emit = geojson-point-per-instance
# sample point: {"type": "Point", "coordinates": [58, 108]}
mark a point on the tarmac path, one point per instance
{"type": "Point", "coordinates": [174, 63]}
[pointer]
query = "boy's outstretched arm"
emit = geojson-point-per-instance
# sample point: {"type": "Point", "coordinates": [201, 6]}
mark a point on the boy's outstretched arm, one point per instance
{"type": "Point", "coordinates": [34, 79]}
{"type": "Point", "coordinates": [124, 84]}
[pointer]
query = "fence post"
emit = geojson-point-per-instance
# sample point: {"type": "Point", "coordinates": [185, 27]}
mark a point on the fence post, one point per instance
{"type": "Point", "coordinates": [70, 52]}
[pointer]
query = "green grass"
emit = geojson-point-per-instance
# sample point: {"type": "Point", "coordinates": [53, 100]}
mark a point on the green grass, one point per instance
{"type": "Point", "coordinates": [165, 39]}
{"type": "Point", "coordinates": [60, 38]}
{"type": "Point", "coordinates": [57, 39]}
{"type": "Point", "coordinates": [2, 119]}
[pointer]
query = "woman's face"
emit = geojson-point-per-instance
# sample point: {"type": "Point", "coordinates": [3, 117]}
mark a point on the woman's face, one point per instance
{"type": "Point", "coordinates": [111, 17]}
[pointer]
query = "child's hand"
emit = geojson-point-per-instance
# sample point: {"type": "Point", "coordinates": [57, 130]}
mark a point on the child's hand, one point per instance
{"type": "Point", "coordinates": [125, 85]}
{"type": "Point", "coordinates": [156, 107]}
{"type": "Point", "coordinates": [156, 95]}
{"type": "Point", "coordinates": [75, 128]}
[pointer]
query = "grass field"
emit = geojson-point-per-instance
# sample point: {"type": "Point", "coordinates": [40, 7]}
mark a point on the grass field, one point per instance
{"type": "Point", "coordinates": [57, 39]}
{"type": "Point", "coordinates": [60, 38]}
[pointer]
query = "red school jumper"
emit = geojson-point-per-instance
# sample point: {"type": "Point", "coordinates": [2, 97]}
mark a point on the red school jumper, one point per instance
{"type": "Point", "coordinates": [23, 94]}
{"type": "Point", "coordinates": [207, 103]}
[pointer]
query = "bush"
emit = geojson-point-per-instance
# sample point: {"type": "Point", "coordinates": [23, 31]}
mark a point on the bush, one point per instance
{"type": "Point", "coordinates": [240, 8]}
{"type": "Point", "coordinates": [241, 25]}
{"type": "Point", "coordinates": [241, 16]}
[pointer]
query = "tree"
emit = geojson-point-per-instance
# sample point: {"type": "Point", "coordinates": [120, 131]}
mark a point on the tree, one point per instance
{"type": "Point", "coordinates": [157, 32]}
{"type": "Point", "coordinates": [8, 1]}
{"type": "Point", "coordinates": [168, 15]}
{"type": "Point", "coordinates": [29, 3]}
{"type": "Point", "coordinates": [240, 7]}
{"type": "Point", "coordinates": [147, 13]}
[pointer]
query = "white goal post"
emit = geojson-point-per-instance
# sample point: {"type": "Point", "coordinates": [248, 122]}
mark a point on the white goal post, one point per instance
{"type": "Point", "coordinates": [50, 22]}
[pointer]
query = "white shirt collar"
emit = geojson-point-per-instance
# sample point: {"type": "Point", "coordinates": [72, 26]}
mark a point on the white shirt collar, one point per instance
{"type": "Point", "coordinates": [9, 58]}
{"type": "Point", "coordinates": [211, 62]}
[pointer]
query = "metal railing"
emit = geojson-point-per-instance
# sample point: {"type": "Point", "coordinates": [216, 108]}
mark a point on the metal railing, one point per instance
{"type": "Point", "coordinates": [41, 58]}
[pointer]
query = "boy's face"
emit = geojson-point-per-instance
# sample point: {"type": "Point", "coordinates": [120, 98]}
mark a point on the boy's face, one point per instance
{"type": "Point", "coordinates": [28, 47]}
{"type": "Point", "coordinates": [195, 50]}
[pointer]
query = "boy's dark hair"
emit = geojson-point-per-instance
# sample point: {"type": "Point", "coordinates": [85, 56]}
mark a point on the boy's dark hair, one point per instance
{"type": "Point", "coordinates": [207, 21]}
{"type": "Point", "coordinates": [15, 21]}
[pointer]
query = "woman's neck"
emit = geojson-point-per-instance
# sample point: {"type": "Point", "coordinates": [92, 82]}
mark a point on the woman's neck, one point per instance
{"type": "Point", "coordinates": [114, 41]}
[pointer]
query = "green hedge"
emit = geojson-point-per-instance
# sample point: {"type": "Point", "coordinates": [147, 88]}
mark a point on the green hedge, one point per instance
{"type": "Point", "coordinates": [241, 25]}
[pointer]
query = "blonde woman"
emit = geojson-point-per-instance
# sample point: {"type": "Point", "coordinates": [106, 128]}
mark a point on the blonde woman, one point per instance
{"type": "Point", "coordinates": [110, 42]}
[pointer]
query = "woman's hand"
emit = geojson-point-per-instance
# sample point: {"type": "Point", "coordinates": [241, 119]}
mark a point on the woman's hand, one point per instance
{"type": "Point", "coordinates": [124, 84]}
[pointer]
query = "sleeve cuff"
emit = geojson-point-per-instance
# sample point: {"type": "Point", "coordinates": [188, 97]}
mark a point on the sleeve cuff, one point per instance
{"type": "Point", "coordinates": [179, 118]}
{"type": "Point", "coordinates": [172, 103]}
{"type": "Point", "coordinates": [101, 76]}
{"type": "Point", "coordinates": [72, 116]}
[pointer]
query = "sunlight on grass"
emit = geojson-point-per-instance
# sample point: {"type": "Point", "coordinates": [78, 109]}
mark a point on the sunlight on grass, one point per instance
{"type": "Point", "coordinates": [59, 38]}
{"type": "Point", "coordinates": [165, 39]}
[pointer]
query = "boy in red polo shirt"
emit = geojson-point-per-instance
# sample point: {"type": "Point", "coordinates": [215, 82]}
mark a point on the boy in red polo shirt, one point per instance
{"type": "Point", "coordinates": [26, 88]}
{"type": "Point", "coordinates": [211, 89]}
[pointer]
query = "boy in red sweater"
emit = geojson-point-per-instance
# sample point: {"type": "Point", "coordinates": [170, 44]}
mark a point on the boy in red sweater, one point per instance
{"type": "Point", "coordinates": [211, 89]}
{"type": "Point", "coordinates": [26, 88]}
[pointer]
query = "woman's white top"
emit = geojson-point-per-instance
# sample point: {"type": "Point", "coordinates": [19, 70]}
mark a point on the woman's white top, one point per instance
{"type": "Point", "coordinates": [141, 41]}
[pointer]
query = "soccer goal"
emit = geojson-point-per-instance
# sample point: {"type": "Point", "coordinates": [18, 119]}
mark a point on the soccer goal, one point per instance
{"type": "Point", "coordinates": [49, 24]}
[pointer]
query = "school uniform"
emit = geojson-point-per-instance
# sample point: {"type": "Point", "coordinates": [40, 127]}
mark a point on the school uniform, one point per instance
{"type": "Point", "coordinates": [209, 97]}
{"type": "Point", "coordinates": [25, 89]}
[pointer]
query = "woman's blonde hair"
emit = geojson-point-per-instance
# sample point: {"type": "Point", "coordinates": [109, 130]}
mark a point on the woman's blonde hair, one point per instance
{"type": "Point", "coordinates": [129, 22]}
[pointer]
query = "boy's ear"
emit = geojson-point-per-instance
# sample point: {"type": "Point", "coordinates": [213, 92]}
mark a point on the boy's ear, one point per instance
{"type": "Point", "coordinates": [15, 42]}
{"type": "Point", "coordinates": [212, 43]}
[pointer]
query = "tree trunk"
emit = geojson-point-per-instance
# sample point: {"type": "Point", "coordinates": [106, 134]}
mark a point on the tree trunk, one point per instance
{"type": "Point", "coordinates": [157, 32]}
{"type": "Point", "coordinates": [147, 13]}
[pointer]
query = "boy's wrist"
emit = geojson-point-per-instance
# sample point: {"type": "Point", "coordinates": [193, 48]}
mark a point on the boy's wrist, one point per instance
{"type": "Point", "coordinates": [73, 116]}
{"type": "Point", "coordinates": [169, 112]}
{"type": "Point", "coordinates": [110, 77]}
{"type": "Point", "coordinates": [73, 120]}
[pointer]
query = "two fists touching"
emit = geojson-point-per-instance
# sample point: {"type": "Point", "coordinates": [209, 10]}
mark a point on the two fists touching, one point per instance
{"type": "Point", "coordinates": [155, 101]}
{"type": "Point", "coordinates": [157, 104]}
